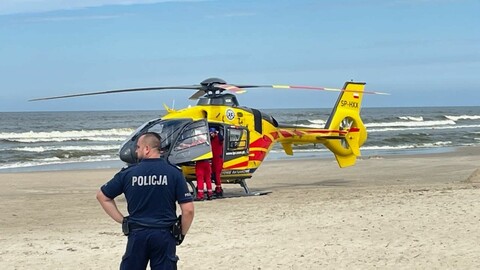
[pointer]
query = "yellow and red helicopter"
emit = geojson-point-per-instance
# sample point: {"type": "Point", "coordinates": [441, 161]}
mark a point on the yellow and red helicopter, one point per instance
{"type": "Point", "coordinates": [249, 134]}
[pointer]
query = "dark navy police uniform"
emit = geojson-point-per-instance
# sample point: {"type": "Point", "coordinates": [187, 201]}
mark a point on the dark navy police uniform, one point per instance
{"type": "Point", "coordinates": [151, 188]}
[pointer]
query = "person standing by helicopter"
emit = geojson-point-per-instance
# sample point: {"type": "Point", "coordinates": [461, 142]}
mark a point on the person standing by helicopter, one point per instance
{"type": "Point", "coordinates": [216, 139]}
{"type": "Point", "coordinates": [152, 187]}
{"type": "Point", "coordinates": [203, 169]}
{"type": "Point", "coordinates": [203, 172]}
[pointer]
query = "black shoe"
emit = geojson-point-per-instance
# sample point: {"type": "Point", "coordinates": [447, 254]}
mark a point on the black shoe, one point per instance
{"type": "Point", "coordinates": [219, 193]}
{"type": "Point", "coordinates": [198, 199]}
{"type": "Point", "coordinates": [209, 197]}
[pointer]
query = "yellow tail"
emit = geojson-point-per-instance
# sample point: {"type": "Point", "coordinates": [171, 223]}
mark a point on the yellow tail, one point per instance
{"type": "Point", "coordinates": [346, 116]}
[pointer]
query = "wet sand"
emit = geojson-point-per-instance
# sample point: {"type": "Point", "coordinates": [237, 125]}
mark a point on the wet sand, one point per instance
{"type": "Point", "coordinates": [391, 212]}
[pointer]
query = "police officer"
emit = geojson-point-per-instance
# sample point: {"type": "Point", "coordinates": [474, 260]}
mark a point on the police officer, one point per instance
{"type": "Point", "coordinates": [151, 189]}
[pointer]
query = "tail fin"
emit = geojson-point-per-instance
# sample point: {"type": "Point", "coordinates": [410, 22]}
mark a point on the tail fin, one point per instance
{"type": "Point", "coordinates": [346, 116]}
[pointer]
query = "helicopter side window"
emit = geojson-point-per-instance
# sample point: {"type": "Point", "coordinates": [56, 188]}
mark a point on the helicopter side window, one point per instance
{"type": "Point", "coordinates": [237, 139]}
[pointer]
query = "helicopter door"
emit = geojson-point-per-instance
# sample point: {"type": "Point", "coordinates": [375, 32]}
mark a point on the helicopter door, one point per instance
{"type": "Point", "coordinates": [236, 148]}
{"type": "Point", "coordinates": [192, 144]}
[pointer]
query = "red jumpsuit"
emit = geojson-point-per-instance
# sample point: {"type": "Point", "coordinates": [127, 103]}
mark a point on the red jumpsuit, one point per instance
{"type": "Point", "coordinates": [217, 160]}
{"type": "Point", "coordinates": [203, 173]}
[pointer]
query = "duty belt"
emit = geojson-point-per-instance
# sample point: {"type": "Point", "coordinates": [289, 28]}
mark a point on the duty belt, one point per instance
{"type": "Point", "coordinates": [135, 226]}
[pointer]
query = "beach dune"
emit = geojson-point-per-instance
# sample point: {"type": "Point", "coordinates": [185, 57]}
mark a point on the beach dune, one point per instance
{"type": "Point", "coordinates": [389, 212]}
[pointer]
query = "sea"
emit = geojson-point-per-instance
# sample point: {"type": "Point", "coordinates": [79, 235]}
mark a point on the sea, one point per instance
{"type": "Point", "coordinates": [42, 141]}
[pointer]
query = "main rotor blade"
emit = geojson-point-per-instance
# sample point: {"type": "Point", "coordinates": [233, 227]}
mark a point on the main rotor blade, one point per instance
{"type": "Point", "coordinates": [233, 88]}
{"type": "Point", "coordinates": [197, 95]}
{"type": "Point", "coordinates": [203, 89]}
{"type": "Point", "coordinates": [279, 86]}
{"type": "Point", "coordinates": [121, 91]}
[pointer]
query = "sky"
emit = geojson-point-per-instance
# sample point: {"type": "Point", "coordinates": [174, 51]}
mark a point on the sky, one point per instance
{"type": "Point", "coordinates": [422, 52]}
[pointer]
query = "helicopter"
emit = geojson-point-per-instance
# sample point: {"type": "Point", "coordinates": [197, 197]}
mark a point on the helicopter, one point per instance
{"type": "Point", "coordinates": [249, 134]}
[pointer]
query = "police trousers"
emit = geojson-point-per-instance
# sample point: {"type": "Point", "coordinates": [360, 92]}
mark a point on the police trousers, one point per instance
{"type": "Point", "coordinates": [156, 245]}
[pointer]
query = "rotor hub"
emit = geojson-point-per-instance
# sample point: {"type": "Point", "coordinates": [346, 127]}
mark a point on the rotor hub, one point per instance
{"type": "Point", "coordinates": [212, 81]}
{"type": "Point", "coordinates": [210, 86]}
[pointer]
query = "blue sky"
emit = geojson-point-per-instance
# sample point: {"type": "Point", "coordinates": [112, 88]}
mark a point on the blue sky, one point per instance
{"type": "Point", "coordinates": [423, 52]}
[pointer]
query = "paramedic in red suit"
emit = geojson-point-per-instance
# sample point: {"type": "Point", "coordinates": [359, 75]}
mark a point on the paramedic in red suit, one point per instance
{"type": "Point", "coordinates": [216, 139]}
{"type": "Point", "coordinates": [203, 171]}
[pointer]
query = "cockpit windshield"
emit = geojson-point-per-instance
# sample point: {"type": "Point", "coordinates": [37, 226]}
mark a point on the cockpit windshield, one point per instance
{"type": "Point", "coordinates": [183, 140]}
{"type": "Point", "coordinates": [167, 129]}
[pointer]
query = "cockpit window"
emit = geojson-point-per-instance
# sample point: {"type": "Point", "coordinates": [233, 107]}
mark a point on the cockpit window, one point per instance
{"type": "Point", "coordinates": [183, 140]}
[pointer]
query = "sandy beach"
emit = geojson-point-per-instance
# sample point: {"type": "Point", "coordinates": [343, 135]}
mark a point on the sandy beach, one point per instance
{"type": "Point", "coordinates": [391, 212]}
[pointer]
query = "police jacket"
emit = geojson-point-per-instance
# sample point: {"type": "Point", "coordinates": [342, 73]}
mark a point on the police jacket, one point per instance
{"type": "Point", "coordinates": [151, 188]}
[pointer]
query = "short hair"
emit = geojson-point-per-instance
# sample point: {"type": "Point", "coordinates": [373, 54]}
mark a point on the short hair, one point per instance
{"type": "Point", "coordinates": [152, 139]}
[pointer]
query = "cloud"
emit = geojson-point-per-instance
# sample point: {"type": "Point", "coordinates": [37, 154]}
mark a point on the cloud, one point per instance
{"type": "Point", "coordinates": [8, 7]}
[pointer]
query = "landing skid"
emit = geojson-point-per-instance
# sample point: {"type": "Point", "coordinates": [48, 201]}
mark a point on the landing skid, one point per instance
{"type": "Point", "coordinates": [193, 190]}
{"type": "Point", "coordinates": [244, 185]}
